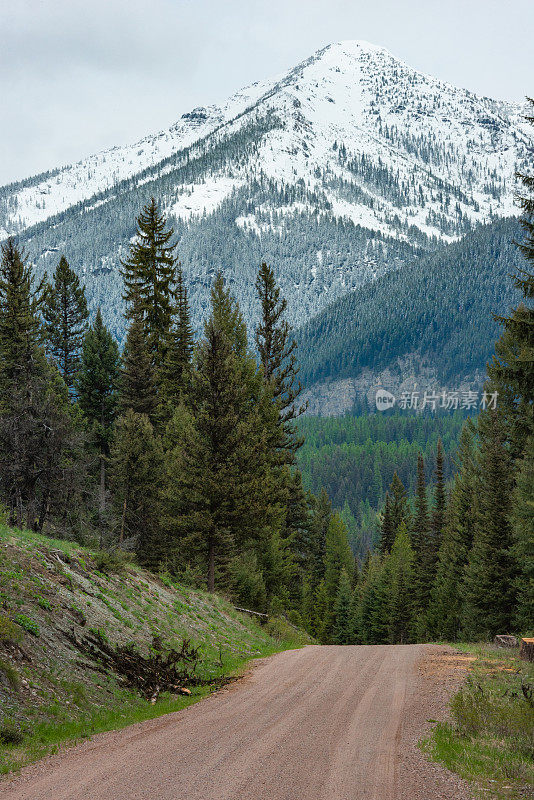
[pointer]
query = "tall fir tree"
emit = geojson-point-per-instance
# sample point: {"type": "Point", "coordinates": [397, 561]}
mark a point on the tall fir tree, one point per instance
{"type": "Point", "coordinates": [489, 585]}
{"type": "Point", "coordinates": [387, 534]}
{"type": "Point", "coordinates": [401, 597]}
{"type": "Point", "coordinates": [342, 607]}
{"type": "Point", "coordinates": [135, 474]}
{"type": "Point", "coordinates": [20, 305]}
{"type": "Point", "coordinates": [523, 543]}
{"type": "Point", "coordinates": [338, 558]}
{"type": "Point", "coordinates": [421, 520]}
{"type": "Point", "coordinates": [137, 380]}
{"type": "Point", "coordinates": [277, 351]}
{"type": "Point", "coordinates": [176, 367]}
{"type": "Point", "coordinates": [397, 513]}
{"type": "Point", "coordinates": [98, 396]}
{"type": "Point", "coordinates": [216, 488]}
{"type": "Point", "coordinates": [149, 279]}
{"type": "Point", "coordinates": [428, 548]}
{"type": "Point", "coordinates": [446, 600]}
{"type": "Point", "coordinates": [65, 314]}
{"type": "Point", "coordinates": [38, 435]}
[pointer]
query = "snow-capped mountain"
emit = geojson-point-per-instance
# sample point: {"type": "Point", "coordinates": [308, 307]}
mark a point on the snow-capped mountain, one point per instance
{"type": "Point", "coordinates": [335, 171]}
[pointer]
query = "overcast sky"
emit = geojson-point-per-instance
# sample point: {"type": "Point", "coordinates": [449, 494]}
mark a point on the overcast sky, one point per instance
{"type": "Point", "coordinates": [78, 76]}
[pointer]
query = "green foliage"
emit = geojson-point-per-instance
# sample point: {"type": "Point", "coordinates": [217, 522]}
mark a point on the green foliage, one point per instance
{"type": "Point", "coordinates": [489, 587]}
{"type": "Point", "coordinates": [137, 380]}
{"type": "Point", "coordinates": [98, 380]}
{"type": "Point", "coordinates": [65, 314]}
{"type": "Point", "coordinates": [111, 562]}
{"type": "Point", "coordinates": [342, 618]}
{"type": "Point", "coordinates": [435, 309]}
{"type": "Point", "coordinates": [10, 735]}
{"type": "Point", "coordinates": [175, 371]}
{"type": "Point", "coordinates": [9, 631]}
{"type": "Point", "coordinates": [149, 279]}
{"type": "Point", "coordinates": [489, 740]}
{"type": "Point", "coordinates": [10, 673]}
{"type": "Point", "coordinates": [523, 543]}
{"type": "Point", "coordinates": [135, 468]}
{"type": "Point", "coordinates": [28, 624]}
{"type": "Point", "coordinates": [248, 586]}
{"type": "Point", "coordinates": [354, 459]}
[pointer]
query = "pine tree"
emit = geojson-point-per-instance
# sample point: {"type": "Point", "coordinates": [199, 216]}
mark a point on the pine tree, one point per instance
{"type": "Point", "coordinates": [444, 613]}
{"type": "Point", "coordinates": [321, 516]}
{"type": "Point", "coordinates": [397, 513]}
{"type": "Point", "coordinates": [523, 545]}
{"type": "Point", "coordinates": [489, 589]}
{"type": "Point", "coordinates": [149, 279]}
{"type": "Point", "coordinates": [216, 467]}
{"type": "Point", "coordinates": [135, 470]}
{"type": "Point", "coordinates": [137, 383]}
{"type": "Point", "coordinates": [387, 534]}
{"type": "Point", "coordinates": [401, 588]}
{"type": "Point", "coordinates": [38, 436]}
{"type": "Point", "coordinates": [342, 619]}
{"type": "Point", "coordinates": [65, 314]}
{"type": "Point", "coordinates": [399, 508]}
{"type": "Point", "coordinates": [176, 367]}
{"type": "Point", "coordinates": [421, 521]}
{"type": "Point", "coordinates": [321, 613]}
{"type": "Point", "coordinates": [338, 558]}
{"type": "Point", "coordinates": [227, 317]}
{"type": "Point", "coordinates": [97, 394]}
{"type": "Point", "coordinates": [20, 304]}
{"type": "Point", "coordinates": [512, 370]}
{"type": "Point", "coordinates": [276, 348]}
{"type": "Point", "coordinates": [440, 501]}
{"type": "Point", "coordinates": [379, 600]}
{"type": "Point", "coordinates": [428, 548]}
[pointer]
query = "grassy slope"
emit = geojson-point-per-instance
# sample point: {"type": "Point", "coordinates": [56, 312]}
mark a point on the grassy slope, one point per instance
{"type": "Point", "coordinates": [49, 588]}
{"type": "Point", "coordinates": [490, 738]}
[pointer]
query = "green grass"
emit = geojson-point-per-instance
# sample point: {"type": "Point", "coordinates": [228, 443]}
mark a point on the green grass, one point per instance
{"type": "Point", "coordinates": [490, 737]}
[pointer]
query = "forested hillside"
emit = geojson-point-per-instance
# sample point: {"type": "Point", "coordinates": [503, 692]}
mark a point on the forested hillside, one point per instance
{"type": "Point", "coordinates": [355, 457]}
{"type": "Point", "coordinates": [439, 307]}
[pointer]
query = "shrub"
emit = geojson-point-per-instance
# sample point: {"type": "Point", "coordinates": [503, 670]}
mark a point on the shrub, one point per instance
{"type": "Point", "coordinates": [9, 735]}
{"type": "Point", "coordinates": [111, 561]}
{"type": "Point", "coordinates": [28, 624]}
{"type": "Point", "coordinates": [11, 674]}
{"type": "Point", "coordinates": [9, 631]}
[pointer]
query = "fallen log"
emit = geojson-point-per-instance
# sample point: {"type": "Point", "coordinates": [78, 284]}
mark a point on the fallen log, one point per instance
{"type": "Point", "coordinates": [526, 652]}
{"type": "Point", "coordinates": [248, 611]}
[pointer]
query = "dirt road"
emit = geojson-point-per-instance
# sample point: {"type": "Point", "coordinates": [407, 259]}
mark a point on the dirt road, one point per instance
{"type": "Point", "coordinates": [322, 723]}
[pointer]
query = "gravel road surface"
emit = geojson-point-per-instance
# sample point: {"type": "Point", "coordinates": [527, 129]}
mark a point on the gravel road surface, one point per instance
{"type": "Point", "coordinates": [321, 723]}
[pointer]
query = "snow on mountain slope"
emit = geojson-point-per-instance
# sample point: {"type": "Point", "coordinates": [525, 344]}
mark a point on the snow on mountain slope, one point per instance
{"type": "Point", "coordinates": [347, 166]}
{"type": "Point", "coordinates": [35, 200]}
{"type": "Point", "coordinates": [385, 146]}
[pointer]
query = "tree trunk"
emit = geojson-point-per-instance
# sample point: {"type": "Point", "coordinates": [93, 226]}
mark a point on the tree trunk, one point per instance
{"type": "Point", "coordinates": [211, 564]}
{"type": "Point", "coordinates": [526, 651]}
{"type": "Point", "coordinates": [43, 514]}
{"type": "Point", "coordinates": [123, 521]}
{"type": "Point", "coordinates": [102, 503]}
